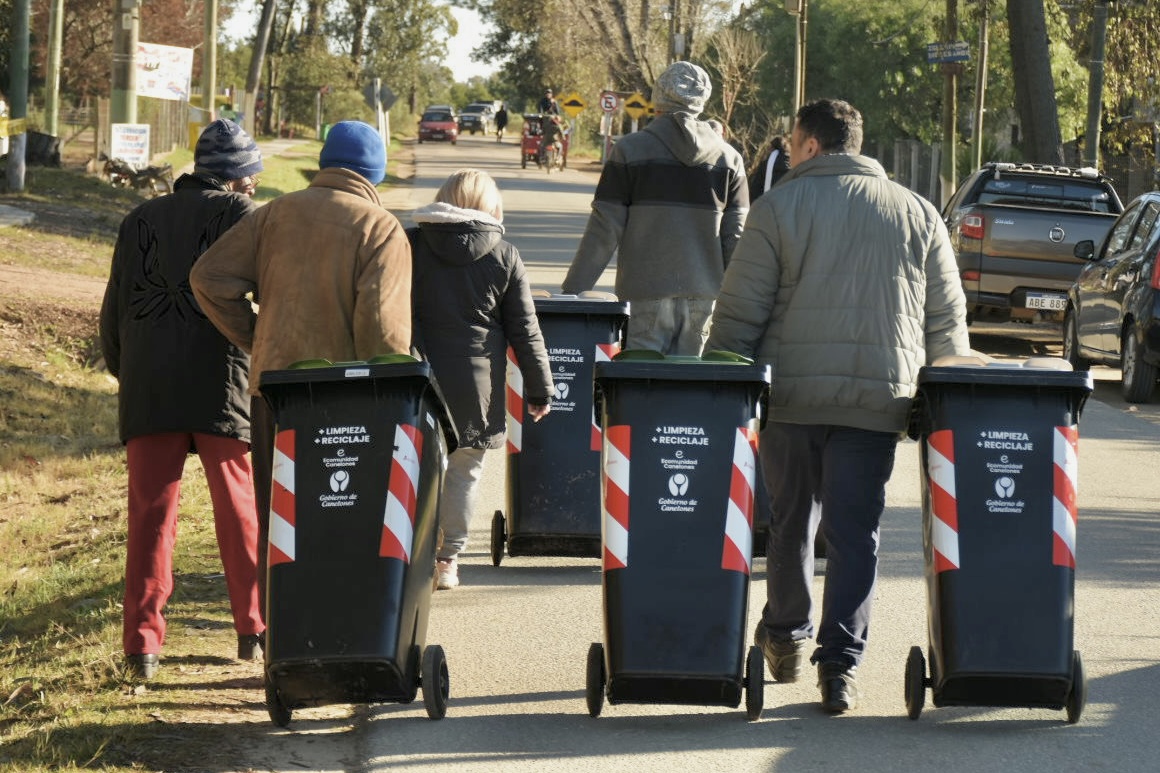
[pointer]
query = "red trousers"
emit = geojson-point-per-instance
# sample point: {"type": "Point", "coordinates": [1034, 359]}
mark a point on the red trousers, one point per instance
{"type": "Point", "coordinates": [155, 466]}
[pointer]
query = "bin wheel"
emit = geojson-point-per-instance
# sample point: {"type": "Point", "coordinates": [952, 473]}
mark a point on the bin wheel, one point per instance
{"type": "Point", "coordinates": [436, 687]}
{"type": "Point", "coordinates": [279, 712]}
{"type": "Point", "coordinates": [754, 684]}
{"type": "Point", "coordinates": [498, 538]}
{"type": "Point", "coordinates": [594, 692]}
{"type": "Point", "coordinates": [915, 682]}
{"type": "Point", "coordinates": [1077, 695]}
{"type": "Point", "coordinates": [414, 656]}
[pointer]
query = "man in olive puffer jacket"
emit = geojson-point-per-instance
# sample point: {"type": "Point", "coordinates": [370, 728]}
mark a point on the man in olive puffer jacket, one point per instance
{"type": "Point", "coordinates": [845, 284]}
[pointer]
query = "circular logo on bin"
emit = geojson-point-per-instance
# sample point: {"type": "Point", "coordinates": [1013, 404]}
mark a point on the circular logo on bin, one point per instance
{"type": "Point", "coordinates": [678, 484]}
{"type": "Point", "coordinates": [339, 480]}
{"type": "Point", "coordinates": [561, 390]}
{"type": "Point", "coordinates": [1005, 487]}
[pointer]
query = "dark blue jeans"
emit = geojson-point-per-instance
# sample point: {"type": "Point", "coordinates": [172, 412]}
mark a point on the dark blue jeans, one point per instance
{"type": "Point", "coordinates": [845, 470]}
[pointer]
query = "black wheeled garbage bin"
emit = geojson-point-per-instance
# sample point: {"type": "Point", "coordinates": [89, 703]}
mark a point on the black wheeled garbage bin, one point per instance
{"type": "Point", "coordinates": [679, 473]}
{"type": "Point", "coordinates": [553, 466]}
{"type": "Point", "coordinates": [999, 466]}
{"type": "Point", "coordinates": [359, 454]}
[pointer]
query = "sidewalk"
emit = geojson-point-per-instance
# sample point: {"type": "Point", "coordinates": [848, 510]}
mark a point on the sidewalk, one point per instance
{"type": "Point", "coordinates": [10, 216]}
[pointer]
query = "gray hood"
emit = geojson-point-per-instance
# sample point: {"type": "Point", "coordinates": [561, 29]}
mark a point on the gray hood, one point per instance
{"type": "Point", "coordinates": [688, 138]}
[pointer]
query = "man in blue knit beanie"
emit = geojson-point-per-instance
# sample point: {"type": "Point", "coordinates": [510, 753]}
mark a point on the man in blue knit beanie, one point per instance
{"type": "Point", "coordinates": [354, 145]}
{"type": "Point", "coordinates": [335, 270]}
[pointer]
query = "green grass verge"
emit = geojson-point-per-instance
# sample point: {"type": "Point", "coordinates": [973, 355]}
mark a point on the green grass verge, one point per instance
{"type": "Point", "coordinates": [65, 700]}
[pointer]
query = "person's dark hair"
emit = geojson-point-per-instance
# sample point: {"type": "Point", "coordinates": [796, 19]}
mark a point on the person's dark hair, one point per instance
{"type": "Point", "coordinates": [835, 124]}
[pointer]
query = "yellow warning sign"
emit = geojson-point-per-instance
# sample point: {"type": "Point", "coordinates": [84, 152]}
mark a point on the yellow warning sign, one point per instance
{"type": "Point", "coordinates": [572, 104]}
{"type": "Point", "coordinates": [636, 105]}
{"type": "Point", "coordinates": [11, 127]}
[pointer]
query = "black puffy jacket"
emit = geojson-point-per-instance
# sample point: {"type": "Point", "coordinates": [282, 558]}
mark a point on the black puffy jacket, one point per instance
{"type": "Point", "coordinates": [470, 299]}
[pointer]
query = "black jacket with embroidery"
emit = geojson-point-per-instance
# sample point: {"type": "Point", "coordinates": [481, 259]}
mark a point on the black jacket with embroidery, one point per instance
{"type": "Point", "coordinates": [177, 373]}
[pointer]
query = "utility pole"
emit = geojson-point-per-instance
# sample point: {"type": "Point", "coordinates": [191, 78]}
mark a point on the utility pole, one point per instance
{"type": "Point", "coordinates": [799, 9]}
{"type": "Point", "coordinates": [671, 13]}
{"type": "Point", "coordinates": [209, 62]}
{"type": "Point", "coordinates": [1091, 142]}
{"type": "Point", "coordinates": [126, 25]}
{"type": "Point", "coordinates": [18, 94]}
{"type": "Point", "coordinates": [52, 76]}
{"type": "Point", "coordinates": [981, 80]}
{"type": "Point", "coordinates": [947, 174]}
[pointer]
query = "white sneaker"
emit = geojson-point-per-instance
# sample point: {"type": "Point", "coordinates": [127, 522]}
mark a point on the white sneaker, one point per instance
{"type": "Point", "coordinates": [446, 573]}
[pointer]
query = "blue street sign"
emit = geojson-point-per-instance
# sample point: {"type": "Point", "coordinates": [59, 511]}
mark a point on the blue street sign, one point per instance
{"type": "Point", "coordinates": [957, 51]}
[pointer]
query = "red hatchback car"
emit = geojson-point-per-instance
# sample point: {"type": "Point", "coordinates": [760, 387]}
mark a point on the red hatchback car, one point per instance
{"type": "Point", "coordinates": [438, 125]}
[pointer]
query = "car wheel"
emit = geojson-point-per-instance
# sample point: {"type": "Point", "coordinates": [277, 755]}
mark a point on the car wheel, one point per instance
{"type": "Point", "coordinates": [1138, 378]}
{"type": "Point", "coordinates": [1071, 342]}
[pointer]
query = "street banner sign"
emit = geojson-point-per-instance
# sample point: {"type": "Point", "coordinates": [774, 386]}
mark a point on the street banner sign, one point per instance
{"type": "Point", "coordinates": [572, 104]}
{"type": "Point", "coordinates": [958, 51]}
{"type": "Point", "coordinates": [636, 105]}
{"type": "Point", "coordinates": [164, 72]}
{"type": "Point", "coordinates": [608, 101]}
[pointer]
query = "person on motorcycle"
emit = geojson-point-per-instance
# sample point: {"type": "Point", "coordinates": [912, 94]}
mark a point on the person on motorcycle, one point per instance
{"type": "Point", "coordinates": [548, 104]}
{"type": "Point", "coordinates": [553, 135]}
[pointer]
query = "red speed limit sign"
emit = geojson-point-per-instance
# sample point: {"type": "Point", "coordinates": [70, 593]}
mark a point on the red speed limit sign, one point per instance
{"type": "Point", "coordinates": [608, 101]}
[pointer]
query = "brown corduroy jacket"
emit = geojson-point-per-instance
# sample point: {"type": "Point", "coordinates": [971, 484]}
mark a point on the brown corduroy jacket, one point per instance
{"type": "Point", "coordinates": [329, 268]}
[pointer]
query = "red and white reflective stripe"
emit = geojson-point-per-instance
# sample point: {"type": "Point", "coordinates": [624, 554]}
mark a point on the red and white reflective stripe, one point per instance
{"type": "Point", "coordinates": [738, 551]}
{"type": "Point", "coordinates": [282, 512]}
{"type": "Point", "coordinates": [604, 353]}
{"type": "Point", "coordinates": [1065, 515]}
{"type": "Point", "coordinates": [944, 525]}
{"type": "Point", "coordinates": [402, 488]}
{"type": "Point", "coordinates": [616, 472]}
{"type": "Point", "coordinates": [515, 404]}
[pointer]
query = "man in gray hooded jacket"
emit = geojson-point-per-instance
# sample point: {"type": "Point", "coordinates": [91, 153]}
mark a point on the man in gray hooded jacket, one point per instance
{"type": "Point", "coordinates": [845, 284]}
{"type": "Point", "coordinates": [673, 199]}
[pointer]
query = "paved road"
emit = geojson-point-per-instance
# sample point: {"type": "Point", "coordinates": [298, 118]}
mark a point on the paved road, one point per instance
{"type": "Point", "coordinates": [516, 635]}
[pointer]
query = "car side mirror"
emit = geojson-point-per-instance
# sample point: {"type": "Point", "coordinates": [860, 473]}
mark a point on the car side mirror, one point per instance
{"type": "Point", "coordinates": [1085, 250]}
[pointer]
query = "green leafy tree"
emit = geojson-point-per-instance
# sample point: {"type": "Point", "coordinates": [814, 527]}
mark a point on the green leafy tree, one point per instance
{"type": "Point", "coordinates": [872, 54]}
{"type": "Point", "coordinates": [312, 71]}
{"type": "Point", "coordinates": [406, 43]}
{"type": "Point", "coordinates": [1131, 94]}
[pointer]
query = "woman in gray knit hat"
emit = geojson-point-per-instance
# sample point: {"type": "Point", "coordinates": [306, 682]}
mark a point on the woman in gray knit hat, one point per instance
{"type": "Point", "coordinates": [182, 391]}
